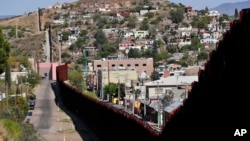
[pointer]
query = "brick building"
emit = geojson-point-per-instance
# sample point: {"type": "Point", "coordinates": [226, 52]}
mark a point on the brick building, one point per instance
{"type": "Point", "coordinates": [139, 64]}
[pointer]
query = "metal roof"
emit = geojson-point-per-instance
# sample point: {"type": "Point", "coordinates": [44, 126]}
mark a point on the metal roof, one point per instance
{"type": "Point", "coordinates": [173, 80]}
{"type": "Point", "coordinates": [173, 106]}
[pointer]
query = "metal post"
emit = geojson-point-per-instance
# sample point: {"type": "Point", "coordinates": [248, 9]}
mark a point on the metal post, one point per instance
{"type": "Point", "coordinates": [133, 108]}
{"type": "Point", "coordinates": [157, 90]}
{"type": "Point", "coordinates": [60, 53]}
{"type": "Point", "coordinates": [118, 91]}
{"type": "Point", "coordinates": [145, 108]}
{"type": "Point", "coordinates": [125, 81]}
{"type": "Point", "coordinates": [102, 96]}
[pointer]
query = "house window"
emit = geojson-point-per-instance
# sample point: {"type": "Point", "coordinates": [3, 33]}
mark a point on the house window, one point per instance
{"type": "Point", "coordinates": [144, 65]}
{"type": "Point", "coordinates": [121, 65]}
{"type": "Point", "coordinates": [128, 65]}
{"type": "Point", "coordinates": [136, 65]}
{"type": "Point", "coordinates": [158, 90]}
{"type": "Point", "coordinates": [99, 66]}
{"type": "Point", "coordinates": [113, 65]}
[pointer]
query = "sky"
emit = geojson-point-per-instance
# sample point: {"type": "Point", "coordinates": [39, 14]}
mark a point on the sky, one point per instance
{"type": "Point", "coordinates": [201, 4]}
{"type": "Point", "coordinates": [19, 7]}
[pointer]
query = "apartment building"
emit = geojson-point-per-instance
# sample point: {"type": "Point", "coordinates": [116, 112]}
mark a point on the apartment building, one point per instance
{"type": "Point", "coordinates": [138, 64]}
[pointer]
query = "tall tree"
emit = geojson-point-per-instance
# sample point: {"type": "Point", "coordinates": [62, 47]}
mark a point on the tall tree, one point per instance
{"type": "Point", "coordinates": [134, 53]}
{"type": "Point", "coordinates": [4, 65]}
{"type": "Point", "coordinates": [177, 15]}
{"type": "Point", "coordinates": [236, 13]}
{"type": "Point", "coordinates": [76, 79]}
{"type": "Point", "coordinates": [206, 9]}
{"type": "Point", "coordinates": [4, 51]}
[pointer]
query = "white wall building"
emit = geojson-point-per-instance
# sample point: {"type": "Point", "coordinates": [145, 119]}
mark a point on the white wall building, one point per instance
{"type": "Point", "coordinates": [159, 87]}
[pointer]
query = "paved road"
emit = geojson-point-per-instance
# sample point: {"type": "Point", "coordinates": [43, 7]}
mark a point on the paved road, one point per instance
{"type": "Point", "coordinates": [49, 120]}
{"type": "Point", "coordinates": [47, 46]}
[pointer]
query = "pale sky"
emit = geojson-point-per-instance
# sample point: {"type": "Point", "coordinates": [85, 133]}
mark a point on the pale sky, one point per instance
{"type": "Point", "coordinates": [19, 7]}
{"type": "Point", "coordinates": [201, 4]}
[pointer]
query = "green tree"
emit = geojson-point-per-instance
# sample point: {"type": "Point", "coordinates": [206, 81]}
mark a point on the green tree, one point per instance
{"type": "Point", "coordinates": [134, 53]}
{"type": "Point", "coordinates": [161, 56]}
{"type": "Point", "coordinates": [8, 75]}
{"type": "Point", "coordinates": [65, 35]}
{"type": "Point", "coordinates": [20, 34]}
{"type": "Point", "coordinates": [154, 75]}
{"type": "Point", "coordinates": [76, 79]}
{"type": "Point", "coordinates": [132, 22]}
{"type": "Point", "coordinates": [144, 24]}
{"type": "Point", "coordinates": [110, 89]}
{"type": "Point", "coordinates": [122, 90]}
{"type": "Point", "coordinates": [195, 44]}
{"type": "Point", "coordinates": [97, 17]}
{"type": "Point", "coordinates": [4, 52]}
{"type": "Point", "coordinates": [223, 17]}
{"type": "Point", "coordinates": [159, 44]}
{"type": "Point", "coordinates": [149, 15]}
{"type": "Point", "coordinates": [79, 44]}
{"type": "Point", "coordinates": [33, 79]}
{"type": "Point", "coordinates": [203, 55]}
{"type": "Point", "coordinates": [100, 38]}
{"type": "Point", "coordinates": [28, 133]}
{"type": "Point", "coordinates": [201, 22]}
{"type": "Point", "coordinates": [83, 33]}
{"type": "Point", "coordinates": [137, 92]}
{"type": "Point", "coordinates": [11, 129]}
{"type": "Point", "coordinates": [24, 60]}
{"type": "Point", "coordinates": [177, 15]}
{"type": "Point", "coordinates": [206, 9]}
{"type": "Point", "coordinates": [4, 65]}
{"type": "Point", "coordinates": [106, 50]}
{"type": "Point", "coordinates": [12, 32]}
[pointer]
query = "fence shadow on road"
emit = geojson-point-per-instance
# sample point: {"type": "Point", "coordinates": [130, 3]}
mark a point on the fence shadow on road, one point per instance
{"type": "Point", "coordinates": [80, 126]}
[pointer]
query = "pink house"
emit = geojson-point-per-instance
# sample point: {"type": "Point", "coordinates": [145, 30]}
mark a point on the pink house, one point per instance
{"type": "Point", "coordinates": [125, 45]}
{"type": "Point", "coordinates": [47, 70]}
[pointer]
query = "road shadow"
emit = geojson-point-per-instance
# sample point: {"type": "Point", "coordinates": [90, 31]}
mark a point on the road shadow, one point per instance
{"type": "Point", "coordinates": [85, 133]}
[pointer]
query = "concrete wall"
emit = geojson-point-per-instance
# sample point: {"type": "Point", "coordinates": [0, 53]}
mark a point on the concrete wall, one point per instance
{"type": "Point", "coordinates": [49, 69]}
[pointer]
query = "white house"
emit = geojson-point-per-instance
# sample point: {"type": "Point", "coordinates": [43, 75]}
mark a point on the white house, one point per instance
{"type": "Point", "coordinates": [14, 75]}
{"type": "Point", "coordinates": [160, 86]}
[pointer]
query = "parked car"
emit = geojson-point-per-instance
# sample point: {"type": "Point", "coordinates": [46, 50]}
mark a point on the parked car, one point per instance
{"type": "Point", "coordinates": [32, 104]}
